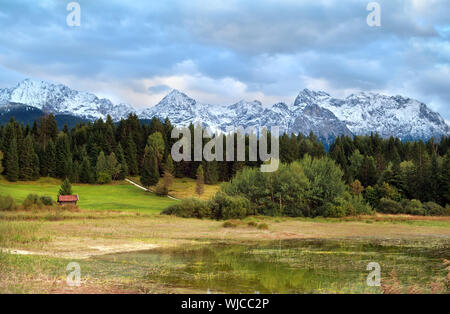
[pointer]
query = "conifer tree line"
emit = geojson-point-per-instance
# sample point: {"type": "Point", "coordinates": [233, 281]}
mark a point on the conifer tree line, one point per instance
{"type": "Point", "coordinates": [102, 151]}
{"type": "Point", "coordinates": [390, 168]}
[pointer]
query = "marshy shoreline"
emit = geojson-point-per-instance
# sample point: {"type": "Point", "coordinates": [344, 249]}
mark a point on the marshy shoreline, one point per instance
{"type": "Point", "coordinates": [122, 252]}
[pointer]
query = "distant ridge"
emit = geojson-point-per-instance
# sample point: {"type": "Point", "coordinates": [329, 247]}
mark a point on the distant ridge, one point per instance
{"type": "Point", "coordinates": [316, 111]}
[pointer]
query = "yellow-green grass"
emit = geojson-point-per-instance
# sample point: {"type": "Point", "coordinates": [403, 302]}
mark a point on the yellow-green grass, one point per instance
{"type": "Point", "coordinates": [185, 188]}
{"type": "Point", "coordinates": [325, 246]}
{"type": "Point", "coordinates": [118, 196]}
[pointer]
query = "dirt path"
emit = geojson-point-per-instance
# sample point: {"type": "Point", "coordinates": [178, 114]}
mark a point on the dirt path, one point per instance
{"type": "Point", "coordinates": [71, 250]}
{"type": "Point", "coordinates": [148, 190]}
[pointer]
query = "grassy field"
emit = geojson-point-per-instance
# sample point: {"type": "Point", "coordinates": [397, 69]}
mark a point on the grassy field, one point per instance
{"type": "Point", "coordinates": [118, 196]}
{"type": "Point", "coordinates": [185, 187]}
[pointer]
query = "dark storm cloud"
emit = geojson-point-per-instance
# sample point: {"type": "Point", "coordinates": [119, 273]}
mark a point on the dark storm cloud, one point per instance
{"type": "Point", "coordinates": [265, 48]}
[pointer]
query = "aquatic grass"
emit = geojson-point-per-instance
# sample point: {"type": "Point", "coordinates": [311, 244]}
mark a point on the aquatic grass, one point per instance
{"type": "Point", "coordinates": [286, 266]}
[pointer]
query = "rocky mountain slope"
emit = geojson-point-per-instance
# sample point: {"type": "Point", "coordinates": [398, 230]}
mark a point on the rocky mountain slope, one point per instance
{"type": "Point", "coordinates": [316, 111]}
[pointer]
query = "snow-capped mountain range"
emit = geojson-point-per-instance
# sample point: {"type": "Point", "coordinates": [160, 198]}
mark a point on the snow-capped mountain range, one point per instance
{"type": "Point", "coordinates": [326, 116]}
{"type": "Point", "coordinates": [60, 99]}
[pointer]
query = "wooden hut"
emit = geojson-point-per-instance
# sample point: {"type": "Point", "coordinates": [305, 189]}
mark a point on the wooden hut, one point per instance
{"type": "Point", "coordinates": [68, 199]}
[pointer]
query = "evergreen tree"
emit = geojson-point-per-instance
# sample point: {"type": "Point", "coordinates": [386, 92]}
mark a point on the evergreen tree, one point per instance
{"type": "Point", "coordinates": [75, 174]}
{"type": "Point", "coordinates": [434, 180]}
{"type": "Point", "coordinates": [114, 166]}
{"type": "Point", "coordinates": [420, 182]}
{"type": "Point", "coordinates": [211, 172]}
{"type": "Point", "coordinates": [338, 155]}
{"type": "Point", "coordinates": [368, 172]}
{"type": "Point", "coordinates": [356, 161]}
{"type": "Point", "coordinates": [156, 126]}
{"type": "Point", "coordinates": [150, 172]}
{"type": "Point", "coordinates": [444, 181]}
{"type": "Point", "coordinates": [103, 169]}
{"type": "Point", "coordinates": [12, 162]}
{"type": "Point", "coordinates": [50, 159]}
{"type": "Point", "coordinates": [102, 163]}
{"type": "Point", "coordinates": [109, 135]}
{"type": "Point", "coordinates": [131, 156]}
{"type": "Point", "coordinates": [169, 165]}
{"type": "Point", "coordinates": [156, 146]}
{"type": "Point", "coordinates": [85, 174]}
{"type": "Point", "coordinates": [47, 130]}
{"type": "Point", "coordinates": [63, 156]}
{"type": "Point", "coordinates": [200, 183]}
{"type": "Point", "coordinates": [27, 157]}
{"type": "Point", "coordinates": [66, 188]}
{"type": "Point", "coordinates": [122, 162]}
{"type": "Point", "coordinates": [1, 162]}
{"type": "Point", "coordinates": [36, 167]}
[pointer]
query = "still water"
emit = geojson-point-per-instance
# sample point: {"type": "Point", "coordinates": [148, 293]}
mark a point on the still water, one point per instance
{"type": "Point", "coordinates": [306, 266]}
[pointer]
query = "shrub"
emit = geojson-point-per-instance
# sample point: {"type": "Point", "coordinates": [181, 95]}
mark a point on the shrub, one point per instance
{"type": "Point", "coordinates": [371, 196]}
{"type": "Point", "coordinates": [263, 226]}
{"type": "Point", "coordinates": [387, 191]}
{"type": "Point", "coordinates": [388, 206]}
{"type": "Point", "coordinates": [326, 183]}
{"type": "Point", "coordinates": [46, 200]}
{"type": "Point", "coordinates": [104, 177]}
{"type": "Point", "coordinates": [161, 189]}
{"type": "Point", "coordinates": [7, 203]}
{"type": "Point", "coordinates": [32, 201]}
{"type": "Point", "coordinates": [347, 205]}
{"type": "Point", "coordinates": [252, 224]}
{"type": "Point", "coordinates": [305, 188]}
{"type": "Point", "coordinates": [228, 207]}
{"type": "Point", "coordinates": [413, 207]}
{"type": "Point", "coordinates": [331, 210]}
{"type": "Point", "coordinates": [190, 207]}
{"type": "Point", "coordinates": [433, 209]}
{"type": "Point", "coordinates": [229, 224]}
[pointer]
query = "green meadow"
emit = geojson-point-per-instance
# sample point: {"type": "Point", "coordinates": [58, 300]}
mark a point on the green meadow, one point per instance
{"type": "Point", "coordinates": [119, 196]}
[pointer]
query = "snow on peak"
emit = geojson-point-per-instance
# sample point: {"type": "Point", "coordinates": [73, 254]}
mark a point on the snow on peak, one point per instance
{"type": "Point", "coordinates": [60, 99]}
{"type": "Point", "coordinates": [396, 116]}
{"type": "Point", "coordinates": [317, 111]}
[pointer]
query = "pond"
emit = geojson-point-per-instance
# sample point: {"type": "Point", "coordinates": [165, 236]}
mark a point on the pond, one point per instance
{"type": "Point", "coordinates": [292, 266]}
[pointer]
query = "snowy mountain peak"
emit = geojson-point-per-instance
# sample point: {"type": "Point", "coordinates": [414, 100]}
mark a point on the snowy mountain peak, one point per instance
{"type": "Point", "coordinates": [176, 93]}
{"type": "Point", "coordinates": [317, 111]}
{"type": "Point", "coordinates": [178, 99]}
{"type": "Point", "coordinates": [244, 105]}
{"type": "Point", "coordinates": [307, 96]}
{"type": "Point", "coordinates": [60, 99]}
{"type": "Point", "coordinates": [396, 116]}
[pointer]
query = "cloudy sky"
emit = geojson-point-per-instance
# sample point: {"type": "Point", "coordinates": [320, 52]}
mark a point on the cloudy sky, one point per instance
{"type": "Point", "coordinates": [222, 51]}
